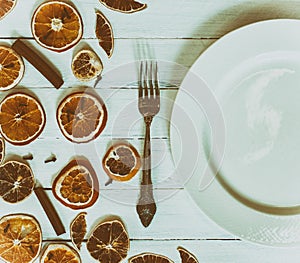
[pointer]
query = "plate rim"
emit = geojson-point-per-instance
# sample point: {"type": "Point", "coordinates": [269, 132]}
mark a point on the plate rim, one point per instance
{"type": "Point", "coordinates": [259, 227]}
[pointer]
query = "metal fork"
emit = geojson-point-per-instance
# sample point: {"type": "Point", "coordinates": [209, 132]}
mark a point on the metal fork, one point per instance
{"type": "Point", "coordinates": [149, 105]}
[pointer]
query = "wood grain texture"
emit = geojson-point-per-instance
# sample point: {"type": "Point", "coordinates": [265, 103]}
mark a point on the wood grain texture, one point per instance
{"type": "Point", "coordinates": [42, 149]}
{"type": "Point", "coordinates": [174, 32]}
{"type": "Point", "coordinates": [121, 69]}
{"type": "Point", "coordinates": [167, 19]}
{"type": "Point", "coordinates": [124, 119]}
{"type": "Point", "coordinates": [169, 222]}
{"type": "Point", "coordinates": [215, 251]}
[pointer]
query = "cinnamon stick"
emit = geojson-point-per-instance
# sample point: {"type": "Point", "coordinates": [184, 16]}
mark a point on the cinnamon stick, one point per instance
{"type": "Point", "coordinates": [49, 210]}
{"type": "Point", "coordinates": [38, 62]}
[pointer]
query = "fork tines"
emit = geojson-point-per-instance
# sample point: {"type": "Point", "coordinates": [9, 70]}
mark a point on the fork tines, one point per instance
{"type": "Point", "coordinates": [148, 79]}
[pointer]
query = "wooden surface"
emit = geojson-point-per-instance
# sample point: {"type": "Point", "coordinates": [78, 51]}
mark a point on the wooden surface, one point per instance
{"type": "Point", "coordinates": [173, 32]}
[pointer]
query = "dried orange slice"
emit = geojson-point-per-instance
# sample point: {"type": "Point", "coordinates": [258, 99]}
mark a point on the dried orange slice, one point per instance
{"type": "Point", "coordinates": [20, 238]}
{"type": "Point", "coordinates": [59, 253]}
{"type": "Point", "coordinates": [6, 6]}
{"type": "Point", "coordinates": [86, 65]}
{"type": "Point", "coordinates": [11, 68]}
{"type": "Point", "coordinates": [56, 25]}
{"type": "Point", "coordinates": [77, 186]}
{"type": "Point", "coordinates": [81, 117]}
{"type": "Point", "coordinates": [16, 181]}
{"type": "Point", "coordinates": [124, 6]}
{"type": "Point", "coordinates": [148, 257]}
{"type": "Point", "coordinates": [186, 256]}
{"type": "Point", "coordinates": [22, 118]}
{"type": "Point", "coordinates": [121, 162]}
{"type": "Point", "coordinates": [104, 33]}
{"type": "Point", "coordinates": [78, 229]}
{"type": "Point", "coordinates": [109, 242]}
{"type": "Point", "coordinates": [2, 149]}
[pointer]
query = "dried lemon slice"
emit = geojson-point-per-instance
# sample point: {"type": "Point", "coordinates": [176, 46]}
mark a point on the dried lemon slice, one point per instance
{"type": "Point", "coordinates": [124, 6]}
{"type": "Point", "coordinates": [2, 149]}
{"type": "Point", "coordinates": [109, 242]}
{"type": "Point", "coordinates": [186, 256]}
{"type": "Point", "coordinates": [149, 257]}
{"type": "Point", "coordinates": [78, 229]}
{"type": "Point", "coordinates": [81, 117]}
{"type": "Point", "coordinates": [121, 161]}
{"type": "Point", "coordinates": [56, 25]}
{"type": "Point", "coordinates": [20, 238]}
{"type": "Point", "coordinates": [6, 6]}
{"type": "Point", "coordinates": [86, 65]}
{"type": "Point", "coordinates": [60, 253]}
{"type": "Point", "coordinates": [16, 181]}
{"type": "Point", "coordinates": [11, 68]}
{"type": "Point", "coordinates": [22, 118]}
{"type": "Point", "coordinates": [104, 33]}
{"type": "Point", "coordinates": [76, 186]}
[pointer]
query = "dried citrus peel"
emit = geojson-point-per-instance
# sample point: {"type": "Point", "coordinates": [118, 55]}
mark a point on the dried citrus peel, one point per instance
{"type": "Point", "coordinates": [21, 238]}
{"type": "Point", "coordinates": [104, 33]}
{"type": "Point", "coordinates": [124, 6]}
{"type": "Point", "coordinates": [6, 6]}
{"type": "Point", "coordinates": [59, 252]}
{"type": "Point", "coordinates": [22, 118]}
{"type": "Point", "coordinates": [78, 229]}
{"type": "Point", "coordinates": [121, 162]}
{"type": "Point", "coordinates": [81, 116]}
{"type": "Point", "coordinates": [2, 149]}
{"type": "Point", "coordinates": [11, 68]}
{"type": "Point", "coordinates": [86, 65]}
{"type": "Point", "coordinates": [76, 186]}
{"type": "Point", "coordinates": [16, 181]}
{"type": "Point", "coordinates": [149, 257]}
{"type": "Point", "coordinates": [109, 242]}
{"type": "Point", "coordinates": [186, 256]}
{"type": "Point", "coordinates": [57, 26]}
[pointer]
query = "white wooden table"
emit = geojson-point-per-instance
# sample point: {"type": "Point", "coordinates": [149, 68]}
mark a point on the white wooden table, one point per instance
{"type": "Point", "coordinates": [171, 30]}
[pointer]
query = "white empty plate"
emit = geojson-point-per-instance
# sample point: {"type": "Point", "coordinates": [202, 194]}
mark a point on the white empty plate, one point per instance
{"type": "Point", "coordinates": [243, 95]}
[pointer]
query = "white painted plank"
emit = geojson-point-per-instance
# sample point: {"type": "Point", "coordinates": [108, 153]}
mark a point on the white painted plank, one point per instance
{"type": "Point", "coordinates": [123, 123]}
{"type": "Point", "coordinates": [121, 69]}
{"type": "Point", "coordinates": [221, 251]}
{"type": "Point", "coordinates": [182, 19]}
{"type": "Point", "coordinates": [168, 31]}
{"type": "Point", "coordinates": [177, 217]}
{"type": "Point", "coordinates": [212, 251]}
{"type": "Point", "coordinates": [164, 175]}
{"type": "Point", "coordinates": [124, 119]}
{"type": "Point", "coordinates": [206, 251]}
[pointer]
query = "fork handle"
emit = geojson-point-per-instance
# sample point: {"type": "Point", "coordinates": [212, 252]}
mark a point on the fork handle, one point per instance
{"type": "Point", "coordinates": [146, 178]}
{"type": "Point", "coordinates": [146, 207]}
